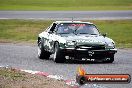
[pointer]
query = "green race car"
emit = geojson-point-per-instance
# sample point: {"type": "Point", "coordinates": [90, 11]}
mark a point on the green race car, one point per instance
{"type": "Point", "coordinates": [75, 40]}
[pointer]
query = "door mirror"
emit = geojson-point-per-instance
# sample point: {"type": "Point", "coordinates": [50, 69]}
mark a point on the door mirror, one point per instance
{"type": "Point", "coordinates": [105, 34]}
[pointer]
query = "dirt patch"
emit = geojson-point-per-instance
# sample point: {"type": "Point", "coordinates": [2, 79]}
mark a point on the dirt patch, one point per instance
{"type": "Point", "coordinates": [12, 78]}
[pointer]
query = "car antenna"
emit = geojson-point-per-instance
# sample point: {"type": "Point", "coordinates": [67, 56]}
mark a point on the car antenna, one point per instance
{"type": "Point", "coordinates": [72, 19]}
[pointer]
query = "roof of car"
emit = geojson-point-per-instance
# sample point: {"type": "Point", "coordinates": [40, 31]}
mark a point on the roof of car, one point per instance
{"type": "Point", "coordinates": [58, 22]}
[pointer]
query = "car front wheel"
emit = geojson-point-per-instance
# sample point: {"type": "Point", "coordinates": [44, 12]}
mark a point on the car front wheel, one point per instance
{"type": "Point", "coordinates": [58, 55]}
{"type": "Point", "coordinates": [111, 60]}
{"type": "Point", "coordinates": [42, 54]}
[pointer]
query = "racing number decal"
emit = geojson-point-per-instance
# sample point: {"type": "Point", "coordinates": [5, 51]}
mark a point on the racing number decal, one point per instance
{"type": "Point", "coordinates": [50, 41]}
{"type": "Point", "coordinates": [46, 43]}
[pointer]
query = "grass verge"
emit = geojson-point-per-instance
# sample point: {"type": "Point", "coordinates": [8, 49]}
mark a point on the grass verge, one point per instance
{"type": "Point", "coordinates": [12, 78]}
{"type": "Point", "coordinates": [27, 30]}
{"type": "Point", "coordinates": [65, 5]}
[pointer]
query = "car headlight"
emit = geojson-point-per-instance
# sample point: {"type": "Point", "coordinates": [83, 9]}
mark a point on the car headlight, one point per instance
{"type": "Point", "coordinates": [110, 45]}
{"type": "Point", "coordinates": [71, 43]}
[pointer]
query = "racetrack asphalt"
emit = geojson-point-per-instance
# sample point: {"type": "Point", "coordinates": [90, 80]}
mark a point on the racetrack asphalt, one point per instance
{"type": "Point", "coordinates": [25, 57]}
{"type": "Point", "coordinates": [67, 15]}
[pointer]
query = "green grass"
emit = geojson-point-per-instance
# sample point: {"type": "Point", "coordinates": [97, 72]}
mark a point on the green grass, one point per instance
{"type": "Point", "coordinates": [27, 30]}
{"type": "Point", "coordinates": [119, 31]}
{"type": "Point", "coordinates": [21, 30]}
{"type": "Point", "coordinates": [11, 74]}
{"type": "Point", "coordinates": [65, 4]}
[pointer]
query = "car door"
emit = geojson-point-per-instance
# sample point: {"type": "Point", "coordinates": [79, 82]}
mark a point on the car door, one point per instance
{"type": "Point", "coordinates": [51, 37]}
{"type": "Point", "coordinates": [46, 37]}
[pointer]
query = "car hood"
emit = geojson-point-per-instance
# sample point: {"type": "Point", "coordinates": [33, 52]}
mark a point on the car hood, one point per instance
{"type": "Point", "coordinates": [88, 39]}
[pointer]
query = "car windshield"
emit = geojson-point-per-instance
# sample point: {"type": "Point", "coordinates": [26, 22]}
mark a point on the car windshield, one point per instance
{"type": "Point", "coordinates": [77, 28]}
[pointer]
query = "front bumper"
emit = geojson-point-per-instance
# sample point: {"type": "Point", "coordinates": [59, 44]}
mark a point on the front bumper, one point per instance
{"type": "Point", "coordinates": [85, 54]}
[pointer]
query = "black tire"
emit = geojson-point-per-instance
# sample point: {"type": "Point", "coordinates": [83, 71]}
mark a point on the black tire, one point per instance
{"type": "Point", "coordinates": [42, 54]}
{"type": "Point", "coordinates": [111, 59]}
{"type": "Point", "coordinates": [59, 57]}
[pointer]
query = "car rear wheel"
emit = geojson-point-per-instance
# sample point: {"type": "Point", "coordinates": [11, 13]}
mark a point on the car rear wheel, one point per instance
{"type": "Point", "coordinates": [42, 54]}
{"type": "Point", "coordinates": [58, 55]}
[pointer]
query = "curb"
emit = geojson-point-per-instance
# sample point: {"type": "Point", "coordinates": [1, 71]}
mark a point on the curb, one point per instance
{"type": "Point", "coordinates": [69, 82]}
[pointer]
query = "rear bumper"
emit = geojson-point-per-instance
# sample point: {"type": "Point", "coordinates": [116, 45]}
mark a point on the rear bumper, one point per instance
{"type": "Point", "coordinates": [81, 54]}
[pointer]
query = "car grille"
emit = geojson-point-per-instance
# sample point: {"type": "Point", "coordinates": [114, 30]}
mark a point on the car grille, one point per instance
{"type": "Point", "coordinates": [91, 47]}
